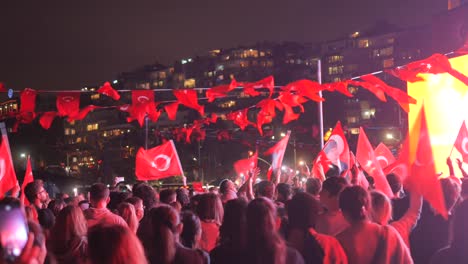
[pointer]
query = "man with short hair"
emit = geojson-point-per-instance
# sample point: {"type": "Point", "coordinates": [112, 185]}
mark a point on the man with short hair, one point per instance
{"type": "Point", "coordinates": [332, 222]}
{"type": "Point", "coordinates": [138, 204]}
{"type": "Point", "coordinates": [98, 212]}
{"type": "Point", "coordinates": [36, 194]}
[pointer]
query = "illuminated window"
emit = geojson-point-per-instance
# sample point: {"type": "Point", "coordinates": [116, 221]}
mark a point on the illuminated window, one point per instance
{"type": "Point", "coordinates": [354, 131]}
{"type": "Point", "coordinates": [391, 40]}
{"type": "Point", "coordinates": [74, 159]}
{"type": "Point", "coordinates": [386, 51]}
{"type": "Point", "coordinates": [189, 83]}
{"type": "Point", "coordinates": [352, 119]}
{"type": "Point", "coordinates": [161, 83]}
{"type": "Point", "coordinates": [227, 104]}
{"type": "Point", "coordinates": [335, 70]}
{"type": "Point", "coordinates": [95, 96]}
{"type": "Point", "coordinates": [262, 54]}
{"type": "Point", "coordinates": [210, 74]}
{"type": "Point", "coordinates": [92, 127]}
{"type": "Point", "coordinates": [244, 64]}
{"type": "Point", "coordinates": [72, 131]}
{"type": "Point", "coordinates": [388, 63]}
{"type": "Point", "coordinates": [162, 75]}
{"type": "Point", "coordinates": [269, 63]}
{"type": "Point", "coordinates": [78, 139]}
{"type": "Point", "coordinates": [335, 58]}
{"type": "Point", "coordinates": [351, 67]}
{"type": "Point", "coordinates": [363, 43]}
{"type": "Point", "coordinates": [336, 79]}
{"type": "Point", "coordinates": [231, 76]}
{"type": "Point", "coordinates": [14, 106]}
{"type": "Point", "coordinates": [104, 134]}
{"type": "Point", "coordinates": [155, 84]}
{"type": "Point", "coordinates": [67, 131]}
{"type": "Point", "coordinates": [220, 77]}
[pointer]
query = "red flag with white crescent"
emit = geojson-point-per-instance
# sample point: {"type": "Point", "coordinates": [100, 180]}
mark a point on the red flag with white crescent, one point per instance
{"type": "Point", "coordinates": [246, 165]}
{"type": "Point", "coordinates": [461, 143]}
{"type": "Point", "coordinates": [336, 149]}
{"type": "Point", "coordinates": [8, 178]}
{"type": "Point", "coordinates": [158, 163]}
{"type": "Point", "coordinates": [68, 103]}
{"type": "Point", "coordinates": [277, 152]}
{"type": "Point", "coordinates": [384, 156]}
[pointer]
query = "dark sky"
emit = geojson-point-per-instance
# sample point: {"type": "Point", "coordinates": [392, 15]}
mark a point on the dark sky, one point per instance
{"type": "Point", "coordinates": [70, 44]}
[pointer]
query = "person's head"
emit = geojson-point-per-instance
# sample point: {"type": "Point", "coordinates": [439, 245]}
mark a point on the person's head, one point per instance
{"type": "Point", "coordinates": [35, 192]}
{"type": "Point", "coordinates": [232, 229]}
{"type": "Point", "coordinates": [99, 195]}
{"type": "Point", "coordinates": [83, 204]}
{"type": "Point", "coordinates": [70, 226]}
{"type": "Point", "coordinates": [167, 196]}
{"type": "Point", "coordinates": [159, 232]}
{"type": "Point", "coordinates": [225, 186]}
{"type": "Point", "coordinates": [265, 189]}
{"type": "Point", "coordinates": [214, 190]}
{"type": "Point", "coordinates": [332, 172]}
{"type": "Point", "coordinates": [117, 198]}
{"type": "Point", "coordinates": [127, 212]}
{"type": "Point", "coordinates": [264, 244]}
{"type": "Point", "coordinates": [331, 189]}
{"type": "Point", "coordinates": [147, 194]}
{"type": "Point", "coordinates": [354, 202]}
{"type": "Point", "coordinates": [210, 208]}
{"type": "Point", "coordinates": [451, 191]}
{"type": "Point", "coordinates": [191, 233]}
{"type": "Point", "coordinates": [395, 184]}
{"type": "Point", "coordinates": [303, 210]}
{"type": "Point", "coordinates": [381, 209]}
{"type": "Point", "coordinates": [183, 197]}
{"type": "Point", "coordinates": [283, 192]}
{"type": "Point", "coordinates": [138, 204]}
{"type": "Point", "coordinates": [56, 206]}
{"type": "Point", "coordinates": [114, 244]}
{"type": "Point", "coordinates": [313, 186]}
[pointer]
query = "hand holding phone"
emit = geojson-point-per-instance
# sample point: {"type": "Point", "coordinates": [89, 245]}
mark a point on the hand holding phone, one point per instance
{"type": "Point", "coordinates": [13, 229]}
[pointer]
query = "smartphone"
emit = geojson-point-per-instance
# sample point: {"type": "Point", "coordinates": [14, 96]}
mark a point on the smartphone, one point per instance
{"type": "Point", "coordinates": [13, 230]}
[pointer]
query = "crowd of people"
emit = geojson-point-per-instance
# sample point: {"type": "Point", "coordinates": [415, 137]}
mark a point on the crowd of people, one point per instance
{"type": "Point", "coordinates": [330, 221]}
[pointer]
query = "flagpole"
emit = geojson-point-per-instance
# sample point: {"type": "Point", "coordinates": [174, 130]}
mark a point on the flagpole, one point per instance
{"type": "Point", "coordinates": [146, 132]}
{"type": "Point", "coordinates": [320, 104]}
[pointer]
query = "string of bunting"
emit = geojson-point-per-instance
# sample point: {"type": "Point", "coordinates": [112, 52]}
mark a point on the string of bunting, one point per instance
{"type": "Point", "coordinates": [290, 99]}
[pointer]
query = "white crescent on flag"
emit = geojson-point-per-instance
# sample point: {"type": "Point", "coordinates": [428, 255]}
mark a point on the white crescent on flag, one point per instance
{"type": "Point", "coordinates": [384, 160]}
{"type": "Point", "coordinates": [2, 168]}
{"type": "Point", "coordinates": [167, 162]}
{"type": "Point", "coordinates": [463, 145]}
{"type": "Point", "coordinates": [68, 98]}
{"type": "Point", "coordinates": [142, 99]}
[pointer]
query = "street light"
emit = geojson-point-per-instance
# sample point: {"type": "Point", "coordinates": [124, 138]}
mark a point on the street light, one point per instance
{"type": "Point", "coordinates": [283, 134]}
{"type": "Point", "coordinates": [302, 163]}
{"type": "Point", "coordinates": [23, 155]}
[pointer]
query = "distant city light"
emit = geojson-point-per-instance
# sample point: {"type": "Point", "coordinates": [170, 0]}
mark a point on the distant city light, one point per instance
{"type": "Point", "coordinates": [115, 81]}
{"type": "Point", "coordinates": [272, 137]}
{"type": "Point", "coordinates": [23, 155]}
{"type": "Point", "coordinates": [283, 134]}
{"type": "Point", "coordinates": [389, 136]}
{"type": "Point", "coordinates": [283, 168]}
{"type": "Point", "coordinates": [301, 162]}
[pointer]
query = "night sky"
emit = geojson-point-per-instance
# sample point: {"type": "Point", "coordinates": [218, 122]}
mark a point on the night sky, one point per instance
{"type": "Point", "coordinates": [70, 44]}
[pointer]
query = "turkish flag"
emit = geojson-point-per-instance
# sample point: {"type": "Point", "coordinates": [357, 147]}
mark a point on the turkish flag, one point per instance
{"type": "Point", "coordinates": [2, 87]}
{"type": "Point", "coordinates": [220, 91]}
{"type": "Point", "coordinates": [246, 165]}
{"type": "Point", "coordinates": [383, 155]}
{"type": "Point", "coordinates": [189, 98]}
{"type": "Point", "coordinates": [306, 88]}
{"type": "Point", "coordinates": [367, 159]}
{"type": "Point", "coordinates": [198, 187]}
{"type": "Point", "coordinates": [239, 118]}
{"type": "Point", "coordinates": [462, 141]}
{"type": "Point", "coordinates": [28, 100]}
{"type": "Point", "coordinates": [171, 110]}
{"type": "Point", "coordinates": [68, 103]}
{"type": "Point", "coordinates": [250, 88]}
{"type": "Point", "coordinates": [336, 149]}
{"type": "Point", "coordinates": [28, 178]}
{"type": "Point", "coordinates": [8, 178]}
{"type": "Point", "coordinates": [107, 89]}
{"type": "Point", "coordinates": [320, 166]}
{"type": "Point", "coordinates": [158, 163]}
{"type": "Point", "coordinates": [289, 114]}
{"type": "Point", "coordinates": [82, 113]}
{"type": "Point", "coordinates": [341, 87]}
{"type": "Point", "coordinates": [142, 104]}
{"type": "Point", "coordinates": [47, 118]}
{"type": "Point", "coordinates": [423, 178]}
{"type": "Point", "coordinates": [376, 90]}
{"type": "Point", "coordinates": [277, 152]}
{"type": "Point", "coordinates": [287, 98]}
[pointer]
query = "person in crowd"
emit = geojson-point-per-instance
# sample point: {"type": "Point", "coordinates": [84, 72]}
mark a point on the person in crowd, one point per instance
{"type": "Point", "coordinates": [36, 194]}
{"type": "Point", "coordinates": [210, 210]}
{"type": "Point", "coordinates": [46, 219]}
{"type": "Point", "coordinates": [114, 244]}
{"type": "Point", "coordinates": [68, 241]}
{"type": "Point", "coordinates": [381, 213]}
{"type": "Point", "coordinates": [84, 204]}
{"type": "Point", "coordinates": [265, 189]}
{"type": "Point", "coordinates": [214, 190]}
{"type": "Point", "coordinates": [264, 244]}
{"type": "Point", "coordinates": [232, 233]}
{"type": "Point", "coordinates": [191, 233]}
{"type": "Point", "coordinates": [167, 196]}
{"type": "Point", "coordinates": [455, 252]}
{"type": "Point", "coordinates": [228, 191]}
{"type": "Point", "coordinates": [283, 194]}
{"type": "Point", "coordinates": [183, 198]}
{"type": "Point", "coordinates": [56, 205]}
{"type": "Point", "coordinates": [147, 194]}
{"type": "Point", "coordinates": [364, 241]}
{"type": "Point", "coordinates": [176, 206]}
{"type": "Point", "coordinates": [127, 212]}
{"type": "Point", "coordinates": [99, 198]}
{"type": "Point", "coordinates": [117, 198]}
{"type": "Point", "coordinates": [159, 233]}
{"type": "Point", "coordinates": [432, 231]}
{"type": "Point", "coordinates": [303, 210]}
{"type": "Point", "coordinates": [31, 214]}
{"type": "Point", "coordinates": [139, 208]}
{"type": "Point", "coordinates": [40, 241]}
{"type": "Point", "coordinates": [400, 202]}
{"type": "Point", "coordinates": [332, 221]}
{"type": "Point", "coordinates": [313, 187]}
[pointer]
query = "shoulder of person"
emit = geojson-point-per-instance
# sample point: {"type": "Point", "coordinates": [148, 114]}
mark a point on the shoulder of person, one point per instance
{"type": "Point", "coordinates": [293, 256]}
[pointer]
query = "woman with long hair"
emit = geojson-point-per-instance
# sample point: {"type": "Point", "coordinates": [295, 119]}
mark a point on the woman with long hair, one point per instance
{"type": "Point", "coordinates": [159, 232]}
{"type": "Point", "coordinates": [127, 212]}
{"type": "Point", "coordinates": [68, 241]}
{"type": "Point", "coordinates": [114, 244]}
{"type": "Point", "coordinates": [211, 212]}
{"type": "Point", "coordinates": [303, 210]}
{"type": "Point", "coordinates": [264, 244]}
{"type": "Point", "coordinates": [191, 233]}
{"type": "Point", "coordinates": [364, 241]}
{"type": "Point", "coordinates": [232, 233]}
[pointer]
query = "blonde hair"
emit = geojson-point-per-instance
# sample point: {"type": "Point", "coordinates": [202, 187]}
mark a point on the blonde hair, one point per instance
{"type": "Point", "coordinates": [128, 213]}
{"type": "Point", "coordinates": [381, 209]}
